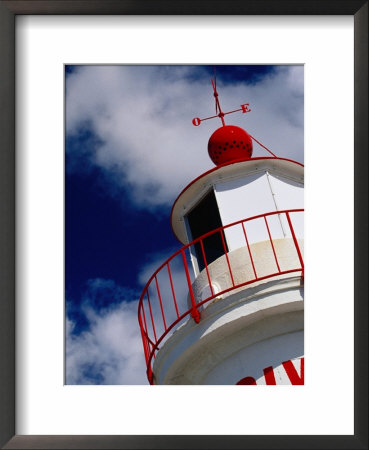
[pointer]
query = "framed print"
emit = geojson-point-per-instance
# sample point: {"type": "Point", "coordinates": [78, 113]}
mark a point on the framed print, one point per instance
{"type": "Point", "coordinates": [38, 41]}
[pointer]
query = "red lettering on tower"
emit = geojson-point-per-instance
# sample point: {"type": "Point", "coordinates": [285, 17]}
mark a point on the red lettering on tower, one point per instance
{"type": "Point", "coordinates": [291, 371]}
{"type": "Point", "coordinates": [247, 380]}
{"type": "Point", "coordinates": [269, 375]}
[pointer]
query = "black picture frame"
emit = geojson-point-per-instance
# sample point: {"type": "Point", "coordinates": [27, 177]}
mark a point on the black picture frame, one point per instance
{"type": "Point", "coordinates": [8, 11]}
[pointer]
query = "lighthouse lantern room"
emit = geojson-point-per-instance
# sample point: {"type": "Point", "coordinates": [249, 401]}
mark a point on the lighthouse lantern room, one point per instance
{"type": "Point", "coordinates": [228, 307]}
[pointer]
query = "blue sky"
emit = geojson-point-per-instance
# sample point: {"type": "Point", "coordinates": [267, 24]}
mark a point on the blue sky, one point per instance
{"type": "Point", "coordinates": [130, 149]}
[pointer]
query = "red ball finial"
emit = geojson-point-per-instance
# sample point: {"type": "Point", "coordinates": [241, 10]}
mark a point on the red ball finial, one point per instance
{"type": "Point", "coordinates": [229, 143]}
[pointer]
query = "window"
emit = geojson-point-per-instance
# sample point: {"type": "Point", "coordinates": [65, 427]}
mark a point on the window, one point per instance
{"type": "Point", "coordinates": [204, 217]}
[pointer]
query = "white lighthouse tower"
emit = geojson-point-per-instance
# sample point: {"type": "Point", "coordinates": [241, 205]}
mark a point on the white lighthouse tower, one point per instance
{"type": "Point", "coordinates": [228, 307]}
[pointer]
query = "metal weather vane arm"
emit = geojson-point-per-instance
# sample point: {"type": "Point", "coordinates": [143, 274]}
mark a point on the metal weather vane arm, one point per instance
{"type": "Point", "coordinates": [196, 121]}
{"type": "Point", "coordinates": [217, 104]}
{"type": "Point", "coordinates": [214, 84]}
{"type": "Point", "coordinates": [219, 113]}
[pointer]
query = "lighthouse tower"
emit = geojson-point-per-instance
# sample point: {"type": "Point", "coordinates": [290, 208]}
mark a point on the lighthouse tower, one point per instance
{"type": "Point", "coordinates": [228, 306]}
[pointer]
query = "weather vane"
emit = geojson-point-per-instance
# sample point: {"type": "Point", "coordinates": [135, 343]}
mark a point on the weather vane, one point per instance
{"type": "Point", "coordinates": [218, 110]}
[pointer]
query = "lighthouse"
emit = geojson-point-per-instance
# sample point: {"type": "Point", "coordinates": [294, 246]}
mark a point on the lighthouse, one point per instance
{"type": "Point", "coordinates": [227, 308]}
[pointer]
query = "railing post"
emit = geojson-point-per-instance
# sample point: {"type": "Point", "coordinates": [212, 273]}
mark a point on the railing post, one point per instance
{"type": "Point", "coordinates": [271, 242]}
{"type": "Point", "coordinates": [249, 250]}
{"type": "Point", "coordinates": [206, 267]}
{"type": "Point", "coordinates": [144, 340]}
{"type": "Point", "coordinates": [150, 374]}
{"type": "Point", "coordinates": [296, 245]}
{"type": "Point", "coordinates": [161, 303]}
{"type": "Point", "coordinates": [151, 315]}
{"type": "Point", "coordinates": [195, 313]}
{"type": "Point", "coordinates": [226, 255]}
{"type": "Point", "coordinates": [172, 287]}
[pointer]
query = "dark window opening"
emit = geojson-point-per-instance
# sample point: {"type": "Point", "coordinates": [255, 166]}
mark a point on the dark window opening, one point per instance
{"type": "Point", "coordinates": [203, 218]}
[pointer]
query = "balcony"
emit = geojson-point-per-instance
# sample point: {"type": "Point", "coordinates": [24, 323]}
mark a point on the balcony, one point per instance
{"type": "Point", "coordinates": [255, 249]}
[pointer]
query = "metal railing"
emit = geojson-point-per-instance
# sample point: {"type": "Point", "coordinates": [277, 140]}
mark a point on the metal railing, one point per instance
{"type": "Point", "coordinates": [168, 297]}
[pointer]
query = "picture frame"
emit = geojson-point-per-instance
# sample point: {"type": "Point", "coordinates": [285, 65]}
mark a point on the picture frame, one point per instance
{"type": "Point", "coordinates": [8, 11]}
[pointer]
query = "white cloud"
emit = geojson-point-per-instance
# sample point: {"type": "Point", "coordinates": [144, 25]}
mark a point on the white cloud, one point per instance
{"type": "Point", "coordinates": [110, 350]}
{"type": "Point", "coordinates": [142, 116]}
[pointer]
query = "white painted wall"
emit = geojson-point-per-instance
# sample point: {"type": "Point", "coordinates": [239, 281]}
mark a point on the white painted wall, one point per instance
{"type": "Point", "coordinates": [250, 361]}
{"type": "Point", "coordinates": [267, 317]}
{"type": "Point", "coordinates": [252, 195]}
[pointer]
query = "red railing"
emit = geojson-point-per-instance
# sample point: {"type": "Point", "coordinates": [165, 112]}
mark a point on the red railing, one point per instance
{"type": "Point", "coordinates": [168, 297]}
